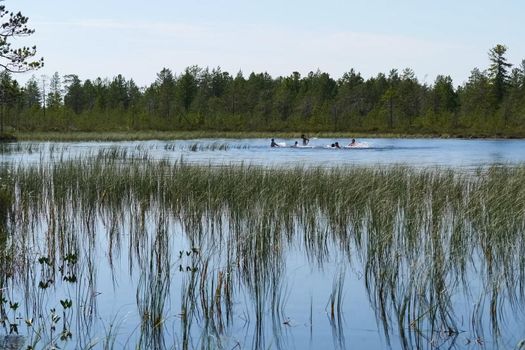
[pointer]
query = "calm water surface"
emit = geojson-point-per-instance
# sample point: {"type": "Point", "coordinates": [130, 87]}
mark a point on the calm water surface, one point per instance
{"type": "Point", "coordinates": [413, 152]}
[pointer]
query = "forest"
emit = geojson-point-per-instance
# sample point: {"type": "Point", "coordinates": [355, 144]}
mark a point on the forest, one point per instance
{"type": "Point", "coordinates": [491, 103]}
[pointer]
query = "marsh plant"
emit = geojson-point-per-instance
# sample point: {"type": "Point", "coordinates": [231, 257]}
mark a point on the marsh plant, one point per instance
{"type": "Point", "coordinates": [439, 252]}
{"type": "Point", "coordinates": [202, 146]}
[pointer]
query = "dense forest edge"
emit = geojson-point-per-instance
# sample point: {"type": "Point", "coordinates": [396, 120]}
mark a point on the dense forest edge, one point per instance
{"type": "Point", "coordinates": [211, 102]}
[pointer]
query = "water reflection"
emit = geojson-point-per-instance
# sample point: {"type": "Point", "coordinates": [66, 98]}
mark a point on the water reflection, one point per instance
{"type": "Point", "coordinates": [202, 255]}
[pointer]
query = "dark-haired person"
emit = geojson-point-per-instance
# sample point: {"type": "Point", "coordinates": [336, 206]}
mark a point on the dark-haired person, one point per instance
{"type": "Point", "coordinates": [305, 140]}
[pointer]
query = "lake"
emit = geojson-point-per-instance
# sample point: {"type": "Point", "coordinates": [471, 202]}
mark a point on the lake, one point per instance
{"type": "Point", "coordinates": [413, 152]}
{"type": "Point", "coordinates": [123, 245]}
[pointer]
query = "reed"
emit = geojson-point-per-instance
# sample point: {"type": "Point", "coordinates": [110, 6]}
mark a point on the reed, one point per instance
{"type": "Point", "coordinates": [418, 235]}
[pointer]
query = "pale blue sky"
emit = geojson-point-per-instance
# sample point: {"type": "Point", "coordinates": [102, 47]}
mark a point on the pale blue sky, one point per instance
{"type": "Point", "coordinates": [137, 39]}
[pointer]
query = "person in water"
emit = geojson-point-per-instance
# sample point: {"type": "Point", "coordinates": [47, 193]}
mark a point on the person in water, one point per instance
{"type": "Point", "coordinates": [353, 143]}
{"type": "Point", "coordinates": [305, 140]}
{"type": "Point", "coordinates": [274, 144]}
{"type": "Point", "coordinates": [336, 145]}
{"type": "Point", "coordinates": [296, 144]}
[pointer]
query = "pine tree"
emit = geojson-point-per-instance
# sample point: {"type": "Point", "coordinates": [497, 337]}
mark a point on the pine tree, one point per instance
{"type": "Point", "coordinates": [499, 71]}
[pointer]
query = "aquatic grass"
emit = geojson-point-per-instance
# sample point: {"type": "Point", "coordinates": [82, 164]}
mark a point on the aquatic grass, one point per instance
{"type": "Point", "coordinates": [204, 146]}
{"type": "Point", "coordinates": [417, 234]}
{"type": "Point", "coordinates": [153, 289]}
{"type": "Point", "coordinates": [19, 147]}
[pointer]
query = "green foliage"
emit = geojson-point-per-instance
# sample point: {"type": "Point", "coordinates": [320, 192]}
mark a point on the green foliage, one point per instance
{"type": "Point", "coordinates": [491, 102]}
{"type": "Point", "coordinates": [16, 59]}
{"type": "Point", "coordinates": [54, 98]}
{"type": "Point", "coordinates": [498, 71]}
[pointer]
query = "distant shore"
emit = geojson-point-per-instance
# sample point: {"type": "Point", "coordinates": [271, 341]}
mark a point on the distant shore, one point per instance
{"type": "Point", "coordinates": [185, 135]}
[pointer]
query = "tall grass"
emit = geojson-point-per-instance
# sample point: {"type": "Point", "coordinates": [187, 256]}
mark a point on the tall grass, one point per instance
{"type": "Point", "coordinates": [418, 235]}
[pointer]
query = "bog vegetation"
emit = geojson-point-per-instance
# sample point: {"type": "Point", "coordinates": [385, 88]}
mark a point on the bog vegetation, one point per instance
{"type": "Point", "coordinates": [424, 239]}
{"type": "Point", "coordinates": [490, 103]}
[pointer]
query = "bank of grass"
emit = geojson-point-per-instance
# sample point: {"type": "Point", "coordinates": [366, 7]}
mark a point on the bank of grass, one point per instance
{"type": "Point", "coordinates": [186, 135]}
{"type": "Point", "coordinates": [179, 135]}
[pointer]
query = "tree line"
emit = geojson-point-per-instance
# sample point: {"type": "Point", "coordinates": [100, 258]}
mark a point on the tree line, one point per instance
{"type": "Point", "coordinates": [490, 103]}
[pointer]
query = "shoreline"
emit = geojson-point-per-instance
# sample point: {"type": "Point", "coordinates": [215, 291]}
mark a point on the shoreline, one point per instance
{"type": "Point", "coordinates": [187, 135]}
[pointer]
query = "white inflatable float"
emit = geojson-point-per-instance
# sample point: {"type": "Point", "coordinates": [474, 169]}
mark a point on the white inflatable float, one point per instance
{"type": "Point", "coordinates": [358, 145]}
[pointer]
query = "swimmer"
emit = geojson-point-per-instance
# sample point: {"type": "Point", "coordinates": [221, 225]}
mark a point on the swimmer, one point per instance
{"type": "Point", "coordinates": [305, 140]}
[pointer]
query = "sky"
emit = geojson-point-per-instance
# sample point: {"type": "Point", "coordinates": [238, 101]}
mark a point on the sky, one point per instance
{"type": "Point", "coordinates": [103, 38]}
